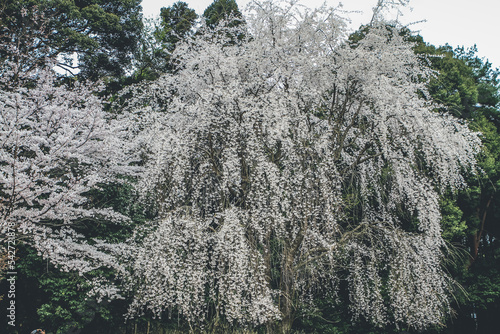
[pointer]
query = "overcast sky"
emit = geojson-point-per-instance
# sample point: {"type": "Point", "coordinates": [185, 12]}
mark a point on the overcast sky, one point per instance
{"type": "Point", "coordinates": [456, 22]}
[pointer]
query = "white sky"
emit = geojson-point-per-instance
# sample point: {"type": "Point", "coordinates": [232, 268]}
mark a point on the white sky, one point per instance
{"type": "Point", "coordinates": [456, 22]}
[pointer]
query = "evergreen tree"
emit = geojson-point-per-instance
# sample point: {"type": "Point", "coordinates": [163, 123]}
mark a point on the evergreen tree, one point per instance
{"type": "Point", "coordinates": [469, 88]}
{"type": "Point", "coordinates": [222, 10]}
{"type": "Point", "coordinates": [177, 23]}
{"type": "Point", "coordinates": [101, 35]}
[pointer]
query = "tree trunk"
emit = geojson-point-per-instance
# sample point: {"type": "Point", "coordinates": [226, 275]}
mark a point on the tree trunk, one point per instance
{"type": "Point", "coordinates": [477, 238]}
{"type": "Point", "coordinates": [288, 275]}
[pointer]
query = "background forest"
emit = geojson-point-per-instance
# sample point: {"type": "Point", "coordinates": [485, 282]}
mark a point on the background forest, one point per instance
{"type": "Point", "coordinates": [72, 183]}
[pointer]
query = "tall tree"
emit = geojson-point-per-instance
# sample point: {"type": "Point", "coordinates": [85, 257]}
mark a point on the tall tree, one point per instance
{"type": "Point", "coordinates": [102, 35]}
{"type": "Point", "coordinates": [292, 166]}
{"type": "Point", "coordinates": [469, 88]}
{"type": "Point", "coordinates": [481, 202]}
{"type": "Point", "coordinates": [222, 10]}
{"type": "Point", "coordinates": [177, 22]}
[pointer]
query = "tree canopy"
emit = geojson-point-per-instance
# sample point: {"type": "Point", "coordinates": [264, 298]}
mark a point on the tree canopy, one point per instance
{"type": "Point", "coordinates": [267, 172]}
{"type": "Point", "coordinates": [222, 10]}
{"type": "Point", "coordinates": [177, 22]}
{"type": "Point", "coordinates": [102, 36]}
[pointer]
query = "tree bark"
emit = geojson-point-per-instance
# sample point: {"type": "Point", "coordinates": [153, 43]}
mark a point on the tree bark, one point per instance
{"type": "Point", "coordinates": [477, 238]}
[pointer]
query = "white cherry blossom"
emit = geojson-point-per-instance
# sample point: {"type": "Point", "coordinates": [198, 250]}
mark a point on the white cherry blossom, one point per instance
{"type": "Point", "coordinates": [282, 160]}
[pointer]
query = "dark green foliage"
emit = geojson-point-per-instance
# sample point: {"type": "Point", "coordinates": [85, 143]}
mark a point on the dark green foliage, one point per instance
{"type": "Point", "coordinates": [225, 12]}
{"type": "Point", "coordinates": [454, 227]}
{"type": "Point", "coordinates": [102, 34]}
{"type": "Point", "coordinates": [154, 54]}
{"type": "Point", "coordinates": [221, 10]}
{"type": "Point", "coordinates": [121, 198]}
{"type": "Point", "coordinates": [58, 301]}
{"type": "Point", "coordinates": [468, 87]}
{"type": "Point", "coordinates": [177, 23]}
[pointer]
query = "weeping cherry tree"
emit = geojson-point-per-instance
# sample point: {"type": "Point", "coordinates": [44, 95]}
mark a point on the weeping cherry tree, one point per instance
{"type": "Point", "coordinates": [289, 165]}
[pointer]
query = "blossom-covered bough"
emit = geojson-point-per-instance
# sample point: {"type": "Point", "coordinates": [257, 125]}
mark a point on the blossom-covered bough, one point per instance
{"type": "Point", "coordinates": [57, 145]}
{"type": "Point", "coordinates": [288, 162]}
